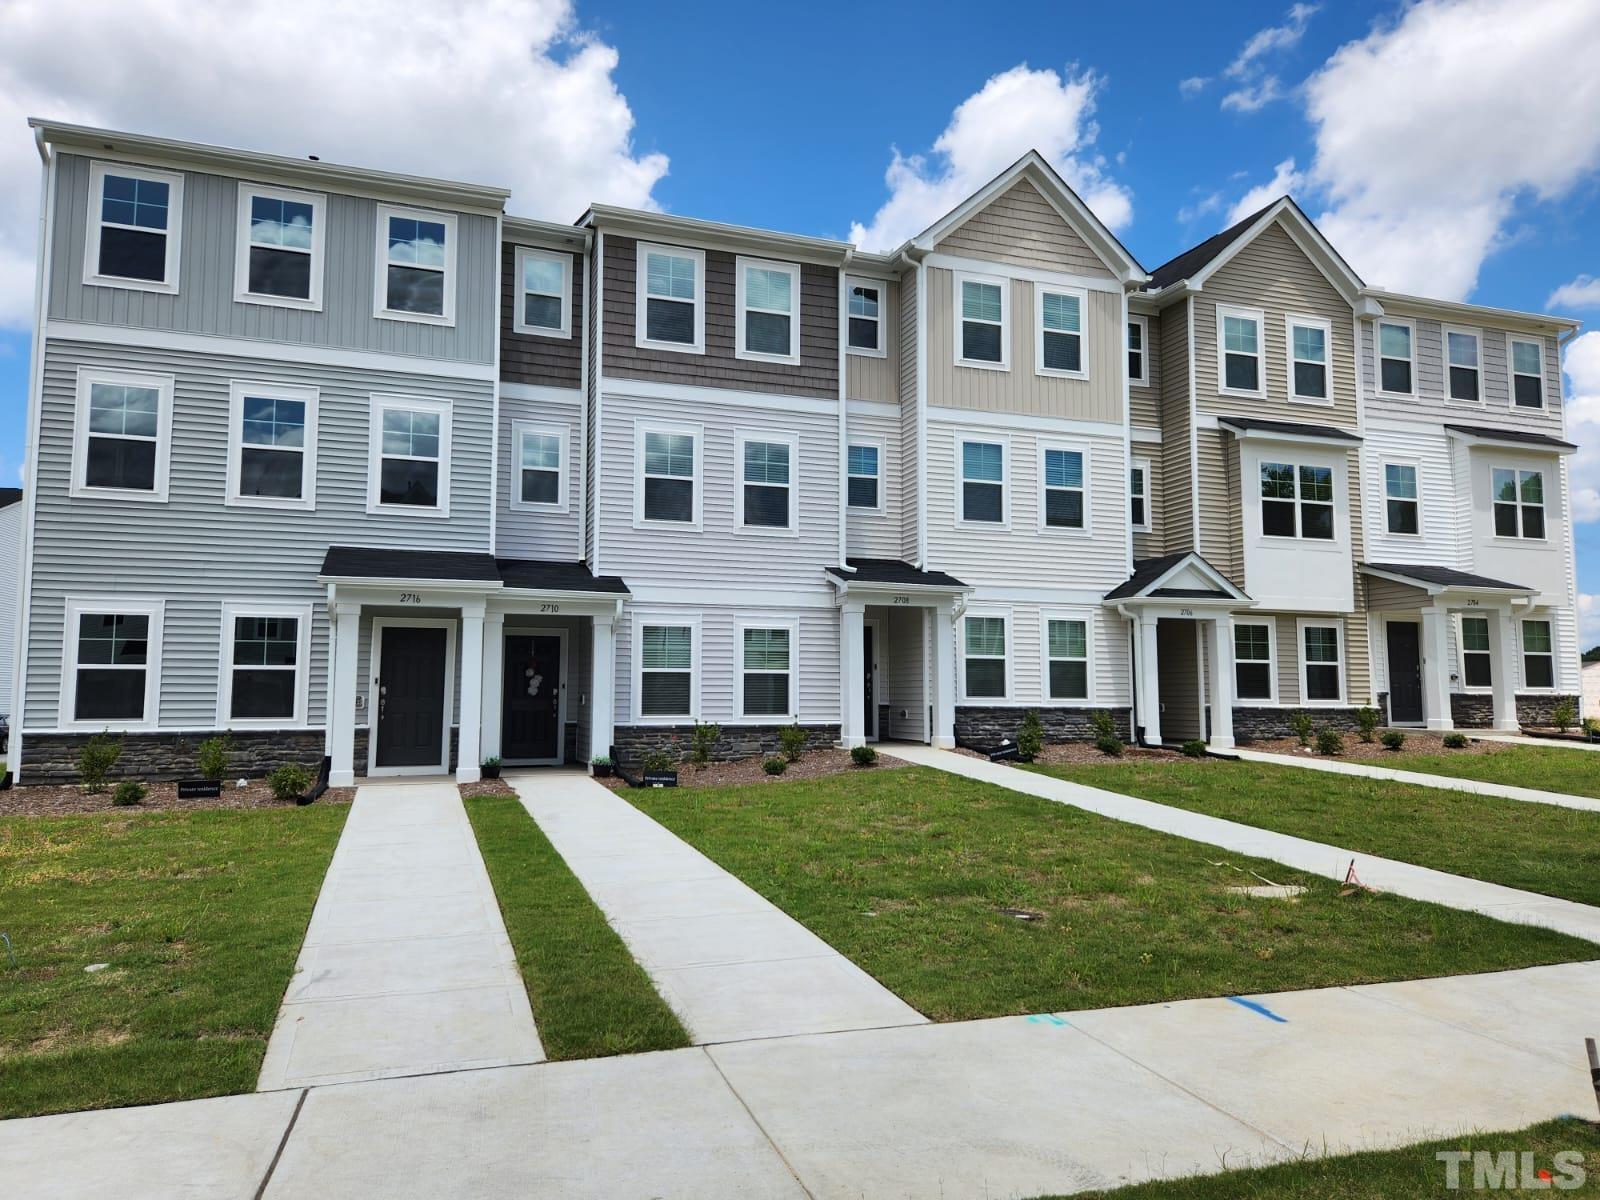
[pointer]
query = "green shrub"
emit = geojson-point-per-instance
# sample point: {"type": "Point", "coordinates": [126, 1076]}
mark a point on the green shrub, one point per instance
{"type": "Point", "coordinates": [1455, 741]}
{"type": "Point", "coordinates": [1366, 722]}
{"type": "Point", "coordinates": [1194, 748]}
{"type": "Point", "coordinates": [129, 792]}
{"type": "Point", "coordinates": [289, 782]}
{"type": "Point", "coordinates": [775, 766]}
{"type": "Point", "coordinates": [95, 761]}
{"type": "Point", "coordinates": [863, 756]}
{"type": "Point", "coordinates": [1111, 747]}
{"type": "Point", "coordinates": [1030, 738]}
{"type": "Point", "coordinates": [1300, 726]}
{"type": "Point", "coordinates": [600, 760]}
{"type": "Point", "coordinates": [1563, 714]}
{"type": "Point", "coordinates": [1106, 738]}
{"type": "Point", "coordinates": [211, 757]}
{"type": "Point", "coordinates": [793, 741]}
{"type": "Point", "coordinates": [702, 741]}
{"type": "Point", "coordinates": [1329, 742]}
{"type": "Point", "coordinates": [1591, 726]}
{"type": "Point", "coordinates": [658, 760]}
{"type": "Point", "coordinates": [1393, 740]}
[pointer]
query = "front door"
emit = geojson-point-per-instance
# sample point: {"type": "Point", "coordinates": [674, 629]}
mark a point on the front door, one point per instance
{"type": "Point", "coordinates": [531, 719]}
{"type": "Point", "coordinates": [1405, 670]}
{"type": "Point", "coordinates": [411, 699]}
{"type": "Point", "coordinates": [869, 661]}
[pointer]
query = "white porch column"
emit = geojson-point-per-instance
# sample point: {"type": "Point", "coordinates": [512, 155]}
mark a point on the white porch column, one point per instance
{"type": "Point", "coordinates": [342, 695]}
{"type": "Point", "coordinates": [1436, 669]}
{"type": "Point", "coordinates": [470, 718]}
{"type": "Point", "coordinates": [1222, 683]}
{"type": "Point", "coordinates": [1149, 682]}
{"type": "Point", "coordinates": [1503, 664]}
{"type": "Point", "coordinates": [852, 670]}
{"type": "Point", "coordinates": [943, 674]}
{"type": "Point", "coordinates": [494, 671]}
{"type": "Point", "coordinates": [602, 684]}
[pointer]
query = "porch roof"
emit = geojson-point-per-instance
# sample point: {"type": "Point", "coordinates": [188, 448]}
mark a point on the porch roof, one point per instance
{"type": "Point", "coordinates": [1149, 574]}
{"type": "Point", "coordinates": [1297, 431]}
{"type": "Point", "coordinates": [891, 572]}
{"type": "Point", "coordinates": [1438, 579]}
{"type": "Point", "coordinates": [534, 575]}
{"type": "Point", "coordinates": [1488, 435]}
{"type": "Point", "coordinates": [464, 569]}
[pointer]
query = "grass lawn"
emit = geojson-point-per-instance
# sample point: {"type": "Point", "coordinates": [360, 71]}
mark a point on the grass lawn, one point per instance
{"type": "Point", "coordinates": [1550, 769]}
{"type": "Point", "coordinates": [1538, 847]}
{"type": "Point", "coordinates": [907, 873]}
{"type": "Point", "coordinates": [199, 915]}
{"type": "Point", "coordinates": [1412, 1172]}
{"type": "Point", "coordinates": [590, 998]}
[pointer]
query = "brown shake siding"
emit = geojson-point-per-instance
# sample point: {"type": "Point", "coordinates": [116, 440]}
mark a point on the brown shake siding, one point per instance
{"type": "Point", "coordinates": [525, 358]}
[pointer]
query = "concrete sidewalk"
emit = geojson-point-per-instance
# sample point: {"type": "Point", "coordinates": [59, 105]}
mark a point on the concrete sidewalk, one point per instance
{"type": "Point", "coordinates": [406, 966]}
{"type": "Point", "coordinates": [732, 965]}
{"type": "Point", "coordinates": [1385, 874]}
{"type": "Point", "coordinates": [1517, 739]}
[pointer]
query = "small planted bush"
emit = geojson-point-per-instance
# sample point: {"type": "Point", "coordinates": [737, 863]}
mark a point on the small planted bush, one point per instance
{"type": "Point", "coordinates": [1455, 741]}
{"type": "Point", "coordinates": [1329, 742]}
{"type": "Point", "coordinates": [1030, 738]}
{"type": "Point", "coordinates": [793, 742]}
{"type": "Point", "coordinates": [211, 757]}
{"type": "Point", "coordinates": [129, 792]}
{"type": "Point", "coordinates": [658, 760]}
{"type": "Point", "coordinates": [1106, 738]}
{"type": "Point", "coordinates": [1366, 723]}
{"type": "Point", "coordinates": [1591, 726]}
{"type": "Point", "coordinates": [1393, 739]}
{"type": "Point", "coordinates": [96, 760]}
{"type": "Point", "coordinates": [289, 782]}
{"type": "Point", "coordinates": [703, 741]}
{"type": "Point", "coordinates": [1563, 714]}
{"type": "Point", "coordinates": [1193, 748]}
{"type": "Point", "coordinates": [863, 756]}
{"type": "Point", "coordinates": [1300, 725]}
{"type": "Point", "coordinates": [775, 765]}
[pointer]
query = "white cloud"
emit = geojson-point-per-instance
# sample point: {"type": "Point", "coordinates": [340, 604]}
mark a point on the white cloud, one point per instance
{"type": "Point", "coordinates": [1582, 366]}
{"type": "Point", "coordinates": [1257, 87]}
{"type": "Point", "coordinates": [1014, 112]}
{"type": "Point", "coordinates": [1191, 87]}
{"type": "Point", "coordinates": [1285, 181]}
{"type": "Point", "coordinates": [1256, 96]}
{"type": "Point", "coordinates": [1582, 292]}
{"type": "Point", "coordinates": [511, 92]}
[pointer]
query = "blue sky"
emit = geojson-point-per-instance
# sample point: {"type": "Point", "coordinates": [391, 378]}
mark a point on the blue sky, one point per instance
{"type": "Point", "coordinates": [752, 114]}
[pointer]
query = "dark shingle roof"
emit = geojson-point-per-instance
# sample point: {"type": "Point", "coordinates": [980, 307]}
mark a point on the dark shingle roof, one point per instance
{"type": "Point", "coordinates": [1445, 577]}
{"type": "Point", "coordinates": [1512, 435]}
{"type": "Point", "coordinates": [1191, 594]}
{"type": "Point", "coordinates": [10, 496]}
{"type": "Point", "coordinates": [1289, 428]}
{"type": "Point", "coordinates": [1145, 572]}
{"type": "Point", "coordinates": [1192, 261]}
{"type": "Point", "coordinates": [370, 562]}
{"type": "Point", "coordinates": [893, 572]}
{"type": "Point", "coordinates": [536, 576]}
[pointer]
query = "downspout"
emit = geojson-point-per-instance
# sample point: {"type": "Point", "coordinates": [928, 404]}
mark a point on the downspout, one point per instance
{"type": "Point", "coordinates": [1137, 707]}
{"type": "Point", "coordinates": [922, 415]}
{"type": "Point", "coordinates": [844, 400]}
{"type": "Point", "coordinates": [494, 425]}
{"type": "Point", "coordinates": [599, 384]}
{"type": "Point", "coordinates": [583, 419]}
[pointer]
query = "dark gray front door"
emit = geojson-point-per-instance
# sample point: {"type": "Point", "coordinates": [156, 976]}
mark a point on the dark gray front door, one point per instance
{"type": "Point", "coordinates": [869, 660]}
{"type": "Point", "coordinates": [411, 697]}
{"type": "Point", "coordinates": [1405, 670]}
{"type": "Point", "coordinates": [531, 719]}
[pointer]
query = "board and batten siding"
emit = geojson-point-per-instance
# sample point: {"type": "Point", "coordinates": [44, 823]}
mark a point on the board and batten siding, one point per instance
{"type": "Point", "coordinates": [10, 597]}
{"type": "Point", "coordinates": [870, 534]}
{"type": "Point", "coordinates": [541, 533]}
{"type": "Point", "coordinates": [1177, 431]}
{"type": "Point", "coordinates": [194, 551]}
{"type": "Point", "coordinates": [204, 301]}
{"type": "Point", "coordinates": [1022, 228]}
{"type": "Point", "coordinates": [529, 358]}
{"type": "Point", "coordinates": [817, 373]}
{"type": "Point", "coordinates": [877, 377]}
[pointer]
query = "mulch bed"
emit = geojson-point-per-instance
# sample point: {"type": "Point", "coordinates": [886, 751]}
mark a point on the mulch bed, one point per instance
{"type": "Point", "coordinates": [488, 787]}
{"type": "Point", "coordinates": [814, 764]}
{"type": "Point", "coordinates": [1080, 754]}
{"type": "Point", "coordinates": [1355, 750]}
{"type": "Point", "coordinates": [46, 800]}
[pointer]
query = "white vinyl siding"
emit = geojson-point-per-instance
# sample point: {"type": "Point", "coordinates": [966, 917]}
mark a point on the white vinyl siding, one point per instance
{"type": "Point", "coordinates": [985, 666]}
{"type": "Point", "coordinates": [1402, 499]}
{"type": "Point", "coordinates": [1067, 670]}
{"type": "Point", "coordinates": [1518, 503]}
{"type": "Point", "coordinates": [769, 685]}
{"type": "Point", "coordinates": [1538, 655]}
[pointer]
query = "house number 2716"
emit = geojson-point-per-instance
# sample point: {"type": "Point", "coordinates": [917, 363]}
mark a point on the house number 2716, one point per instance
{"type": "Point", "coordinates": [410, 598]}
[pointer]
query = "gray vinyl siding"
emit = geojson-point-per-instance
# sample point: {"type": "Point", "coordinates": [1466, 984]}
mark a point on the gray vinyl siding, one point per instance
{"type": "Point", "coordinates": [1021, 227]}
{"type": "Point", "coordinates": [817, 373]}
{"type": "Point", "coordinates": [10, 597]}
{"type": "Point", "coordinates": [1144, 400]}
{"type": "Point", "coordinates": [909, 415]}
{"type": "Point", "coordinates": [204, 302]}
{"type": "Point", "coordinates": [871, 534]}
{"type": "Point", "coordinates": [871, 378]}
{"type": "Point", "coordinates": [1152, 544]}
{"type": "Point", "coordinates": [195, 552]}
{"type": "Point", "coordinates": [542, 534]}
{"type": "Point", "coordinates": [527, 358]}
{"type": "Point", "coordinates": [1177, 474]}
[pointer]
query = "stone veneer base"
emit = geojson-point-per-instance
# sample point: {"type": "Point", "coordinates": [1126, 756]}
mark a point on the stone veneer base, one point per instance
{"type": "Point", "coordinates": [630, 743]}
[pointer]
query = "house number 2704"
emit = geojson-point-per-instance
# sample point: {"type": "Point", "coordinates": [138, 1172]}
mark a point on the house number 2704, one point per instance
{"type": "Point", "coordinates": [410, 598]}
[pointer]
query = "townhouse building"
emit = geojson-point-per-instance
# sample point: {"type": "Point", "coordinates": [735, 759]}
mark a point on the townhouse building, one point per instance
{"type": "Point", "coordinates": [356, 465]}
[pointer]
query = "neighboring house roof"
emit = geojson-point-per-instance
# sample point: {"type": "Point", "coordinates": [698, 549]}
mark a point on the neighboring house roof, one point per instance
{"type": "Point", "coordinates": [532, 575]}
{"type": "Point", "coordinates": [371, 564]}
{"type": "Point", "coordinates": [669, 226]}
{"type": "Point", "coordinates": [1190, 262]}
{"type": "Point", "coordinates": [1288, 429]}
{"type": "Point", "coordinates": [10, 496]}
{"type": "Point", "coordinates": [894, 573]}
{"type": "Point", "coordinates": [1457, 309]}
{"type": "Point", "coordinates": [1511, 437]}
{"type": "Point", "coordinates": [1150, 573]}
{"type": "Point", "coordinates": [1441, 578]}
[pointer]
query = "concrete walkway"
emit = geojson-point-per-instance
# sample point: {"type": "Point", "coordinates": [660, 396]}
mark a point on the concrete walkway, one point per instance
{"type": "Point", "coordinates": [1385, 874]}
{"type": "Point", "coordinates": [732, 965]}
{"type": "Point", "coordinates": [1517, 739]}
{"type": "Point", "coordinates": [406, 967]}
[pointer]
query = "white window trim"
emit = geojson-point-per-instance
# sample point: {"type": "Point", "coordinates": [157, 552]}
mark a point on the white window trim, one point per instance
{"type": "Point", "coordinates": [564, 261]}
{"type": "Point", "coordinates": [1272, 664]}
{"type": "Point", "coordinates": [1296, 461]}
{"type": "Point", "coordinates": [1010, 659]}
{"type": "Point", "coordinates": [1290, 323]}
{"type": "Point", "coordinates": [878, 445]}
{"type": "Point", "coordinates": [1519, 472]}
{"type": "Point", "coordinates": [1378, 356]}
{"type": "Point", "coordinates": [165, 385]}
{"type": "Point", "coordinates": [1384, 464]}
{"type": "Point", "coordinates": [793, 712]}
{"type": "Point", "coordinates": [75, 607]}
{"type": "Point", "coordinates": [1143, 378]}
{"type": "Point", "coordinates": [520, 429]}
{"type": "Point", "coordinates": [641, 428]}
{"type": "Point", "coordinates": [1444, 354]}
{"type": "Point", "coordinates": [957, 278]}
{"type": "Point", "coordinates": [1039, 292]}
{"type": "Point", "coordinates": [1046, 615]}
{"type": "Point", "coordinates": [237, 391]}
{"type": "Point", "coordinates": [1142, 465]}
{"type": "Point", "coordinates": [744, 437]}
{"type": "Point", "coordinates": [1554, 655]}
{"type": "Point", "coordinates": [375, 456]}
{"type": "Point", "coordinates": [1300, 647]}
{"type": "Point", "coordinates": [1512, 374]}
{"type": "Point", "coordinates": [1260, 318]}
{"type": "Point", "coordinates": [241, 265]}
{"type": "Point", "coordinates": [1004, 442]}
{"type": "Point", "coordinates": [380, 284]}
{"type": "Point", "coordinates": [301, 613]}
{"type": "Point", "coordinates": [168, 284]}
{"type": "Point", "coordinates": [641, 283]}
{"type": "Point", "coordinates": [692, 622]}
{"type": "Point", "coordinates": [881, 286]}
{"type": "Point", "coordinates": [1462, 652]}
{"type": "Point", "coordinates": [1039, 498]}
{"type": "Point", "coordinates": [740, 265]}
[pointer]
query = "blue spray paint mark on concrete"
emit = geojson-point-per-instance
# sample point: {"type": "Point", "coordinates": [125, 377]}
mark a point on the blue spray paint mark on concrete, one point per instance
{"type": "Point", "coordinates": [1254, 1007]}
{"type": "Point", "coordinates": [1046, 1019]}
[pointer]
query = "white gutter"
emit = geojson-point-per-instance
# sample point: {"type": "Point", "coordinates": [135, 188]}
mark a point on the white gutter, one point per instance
{"type": "Point", "coordinates": [921, 403]}
{"type": "Point", "coordinates": [583, 413]}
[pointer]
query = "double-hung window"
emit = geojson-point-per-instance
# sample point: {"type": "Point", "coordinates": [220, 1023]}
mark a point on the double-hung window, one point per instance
{"type": "Point", "coordinates": [263, 666]}
{"type": "Point", "coordinates": [668, 488]}
{"type": "Point", "coordinates": [134, 229]}
{"type": "Point", "coordinates": [410, 469]}
{"type": "Point", "coordinates": [1518, 503]}
{"type": "Point", "coordinates": [280, 247]}
{"type": "Point", "coordinates": [768, 466]}
{"type": "Point", "coordinates": [1062, 473]}
{"type": "Point", "coordinates": [866, 312]}
{"type": "Point", "coordinates": [984, 663]}
{"type": "Point", "coordinates": [666, 670]}
{"type": "Point", "coordinates": [1527, 374]}
{"type": "Point", "coordinates": [1396, 358]}
{"type": "Point", "coordinates": [540, 480]}
{"type": "Point", "coordinates": [544, 293]}
{"type": "Point", "coordinates": [1297, 501]}
{"type": "Point", "coordinates": [768, 303]}
{"type": "Point", "coordinates": [112, 666]}
{"type": "Point", "coordinates": [416, 265]}
{"type": "Point", "coordinates": [272, 451]}
{"type": "Point", "coordinates": [1067, 652]}
{"type": "Point", "coordinates": [983, 311]}
{"type": "Point", "coordinates": [670, 311]}
{"type": "Point", "coordinates": [983, 481]}
{"type": "Point", "coordinates": [1463, 361]}
{"type": "Point", "coordinates": [1321, 667]}
{"type": "Point", "coordinates": [865, 475]}
{"type": "Point", "coordinates": [767, 686]}
{"type": "Point", "coordinates": [1059, 341]}
{"type": "Point", "coordinates": [1252, 661]}
{"type": "Point", "coordinates": [1538, 655]}
{"type": "Point", "coordinates": [1239, 364]}
{"type": "Point", "coordinates": [1402, 509]}
{"type": "Point", "coordinates": [124, 435]}
{"type": "Point", "coordinates": [1476, 661]}
{"type": "Point", "coordinates": [1139, 495]}
{"type": "Point", "coordinates": [1138, 348]}
{"type": "Point", "coordinates": [1308, 359]}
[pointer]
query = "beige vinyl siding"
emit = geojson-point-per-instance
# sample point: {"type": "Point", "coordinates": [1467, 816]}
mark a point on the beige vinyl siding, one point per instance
{"type": "Point", "coordinates": [909, 416]}
{"type": "Point", "coordinates": [529, 358]}
{"type": "Point", "coordinates": [1353, 638]}
{"type": "Point", "coordinates": [1390, 596]}
{"type": "Point", "coordinates": [1145, 401]}
{"type": "Point", "coordinates": [1021, 227]}
{"type": "Point", "coordinates": [1152, 544]}
{"type": "Point", "coordinates": [1019, 389]}
{"type": "Point", "coordinates": [871, 378]}
{"type": "Point", "coordinates": [1358, 653]}
{"type": "Point", "coordinates": [1177, 474]}
{"type": "Point", "coordinates": [1217, 456]}
{"type": "Point", "coordinates": [869, 534]}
